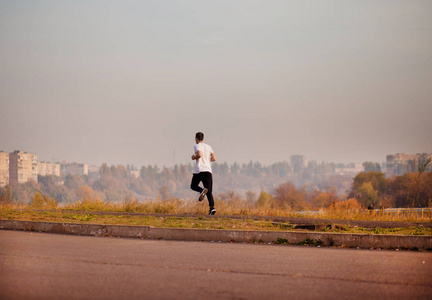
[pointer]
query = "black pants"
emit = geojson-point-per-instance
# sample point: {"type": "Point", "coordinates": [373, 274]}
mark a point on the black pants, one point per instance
{"type": "Point", "coordinates": [207, 179]}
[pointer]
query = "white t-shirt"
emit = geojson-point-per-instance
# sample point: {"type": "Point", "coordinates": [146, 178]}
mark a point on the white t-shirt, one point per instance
{"type": "Point", "coordinates": [203, 164]}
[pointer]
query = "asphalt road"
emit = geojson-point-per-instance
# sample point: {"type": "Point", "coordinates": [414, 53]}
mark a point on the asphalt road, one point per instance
{"type": "Point", "coordinates": [49, 266]}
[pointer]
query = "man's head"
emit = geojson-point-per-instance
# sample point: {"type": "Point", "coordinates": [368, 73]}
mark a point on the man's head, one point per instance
{"type": "Point", "coordinates": [199, 137]}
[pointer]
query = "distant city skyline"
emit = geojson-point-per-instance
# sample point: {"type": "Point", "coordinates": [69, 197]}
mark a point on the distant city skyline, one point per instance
{"type": "Point", "coordinates": [131, 82]}
{"type": "Point", "coordinates": [407, 163]}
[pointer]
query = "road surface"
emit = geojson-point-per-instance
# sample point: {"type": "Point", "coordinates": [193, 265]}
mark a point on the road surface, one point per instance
{"type": "Point", "coordinates": [51, 266]}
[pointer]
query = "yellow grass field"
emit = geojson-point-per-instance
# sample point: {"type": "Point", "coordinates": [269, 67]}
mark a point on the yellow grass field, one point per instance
{"type": "Point", "coordinates": [47, 209]}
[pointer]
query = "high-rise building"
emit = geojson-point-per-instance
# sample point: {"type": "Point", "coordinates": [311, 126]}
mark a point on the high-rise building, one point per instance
{"type": "Point", "coordinates": [73, 168]}
{"type": "Point", "coordinates": [400, 163]}
{"type": "Point", "coordinates": [22, 167]}
{"type": "Point", "coordinates": [46, 168]}
{"type": "Point", "coordinates": [4, 168]}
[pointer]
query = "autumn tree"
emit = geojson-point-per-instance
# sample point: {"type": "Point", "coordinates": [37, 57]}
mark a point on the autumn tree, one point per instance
{"type": "Point", "coordinates": [73, 182]}
{"type": "Point", "coordinates": [416, 196]}
{"type": "Point", "coordinates": [369, 187]}
{"type": "Point", "coordinates": [412, 189]}
{"type": "Point", "coordinates": [398, 189]}
{"type": "Point", "coordinates": [287, 195]}
{"type": "Point", "coordinates": [377, 179]}
{"type": "Point", "coordinates": [426, 187]}
{"type": "Point", "coordinates": [6, 195]}
{"type": "Point", "coordinates": [86, 193]}
{"type": "Point", "coordinates": [41, 201]}
{"type": "Point", "coordinates": [265, 200]}
{"type": "Point", "coordinates": [367, 195]}
{"type": "Point", "coordinates": [324, 199]}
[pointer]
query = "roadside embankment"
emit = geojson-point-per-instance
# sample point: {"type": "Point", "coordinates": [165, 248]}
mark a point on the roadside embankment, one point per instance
{"type": "Point", "coordinates": [305, 221]}
{"type": "Point", "coordinates": [216, 235]}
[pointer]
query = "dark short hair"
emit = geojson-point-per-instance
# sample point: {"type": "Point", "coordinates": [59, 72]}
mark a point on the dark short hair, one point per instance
{"type": "Point", "coordinates": [199, 136]}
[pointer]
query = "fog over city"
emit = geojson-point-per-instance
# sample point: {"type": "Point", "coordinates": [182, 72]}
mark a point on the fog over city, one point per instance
{"type": "Point", "coordinates": [131, 82]}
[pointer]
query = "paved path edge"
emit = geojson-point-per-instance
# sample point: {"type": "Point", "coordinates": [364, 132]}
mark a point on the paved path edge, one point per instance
{"type": "Point", "coordinates": [217, 235]}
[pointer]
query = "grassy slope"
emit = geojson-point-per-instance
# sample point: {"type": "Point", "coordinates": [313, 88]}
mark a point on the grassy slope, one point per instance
{"type": "Point", "coordinates": [9, 212]}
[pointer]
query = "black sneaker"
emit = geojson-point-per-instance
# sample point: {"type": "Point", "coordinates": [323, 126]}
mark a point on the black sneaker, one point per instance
{"type": "Point", "coordinates": [212, 211]}
{"type": "Point", "coordinates": [202, 195]}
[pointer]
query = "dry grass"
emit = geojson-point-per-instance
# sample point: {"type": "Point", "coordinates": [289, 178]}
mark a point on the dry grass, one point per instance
{"type": "Point", "coordinates": [227, 208]}
{"type": "Point", "coordinates": [177, 206]}
{"type": "Point", "coordinates": [345, 210]}
{"type": "Point", "coordinates": [47, 209]}
{"type": "Point", "coordinates": [61, 216]}
{"type": "Point", "coordinates": [402, 216]}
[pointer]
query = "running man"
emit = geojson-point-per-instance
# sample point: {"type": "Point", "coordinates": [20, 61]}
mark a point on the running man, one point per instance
{"type": "Point", "coordinates": [203, 157]}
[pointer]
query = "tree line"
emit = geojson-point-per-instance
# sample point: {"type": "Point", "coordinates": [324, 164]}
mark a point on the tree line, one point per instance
{"type": "Point", "coordinates": [274, 185]}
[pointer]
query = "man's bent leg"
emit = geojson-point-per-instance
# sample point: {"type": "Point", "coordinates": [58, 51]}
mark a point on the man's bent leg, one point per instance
{"type": "Point", "coordinates": [196, 179]}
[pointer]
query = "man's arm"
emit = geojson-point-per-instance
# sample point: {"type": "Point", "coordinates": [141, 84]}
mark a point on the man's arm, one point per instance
{"type": "Point", "coordinates": [212, 157]}
{"type": "Point", "coordinates": [197, 155]}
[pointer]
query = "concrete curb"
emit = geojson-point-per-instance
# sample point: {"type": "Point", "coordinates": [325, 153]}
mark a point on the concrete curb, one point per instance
{"type": "Point", "coordinates": [289, 237]}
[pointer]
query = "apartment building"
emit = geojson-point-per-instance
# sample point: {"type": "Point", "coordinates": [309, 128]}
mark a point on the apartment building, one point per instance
{"type": "Point", "coordinates": [47, 168]}
{"type": "Point", "coordinates": [23, 167]}
{"type": "Point", "coordinates": [73, 168]}
{"type": "Point", "coordinates": [399, 163]}
{"type": "Point", "coordinates": [4, 168]}
{"type": "Point", "coordinates": [94, 172]}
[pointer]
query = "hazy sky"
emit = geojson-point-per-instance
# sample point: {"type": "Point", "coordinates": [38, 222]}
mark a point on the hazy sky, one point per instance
{"type": "Point", "coordinates": [130, 82]}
